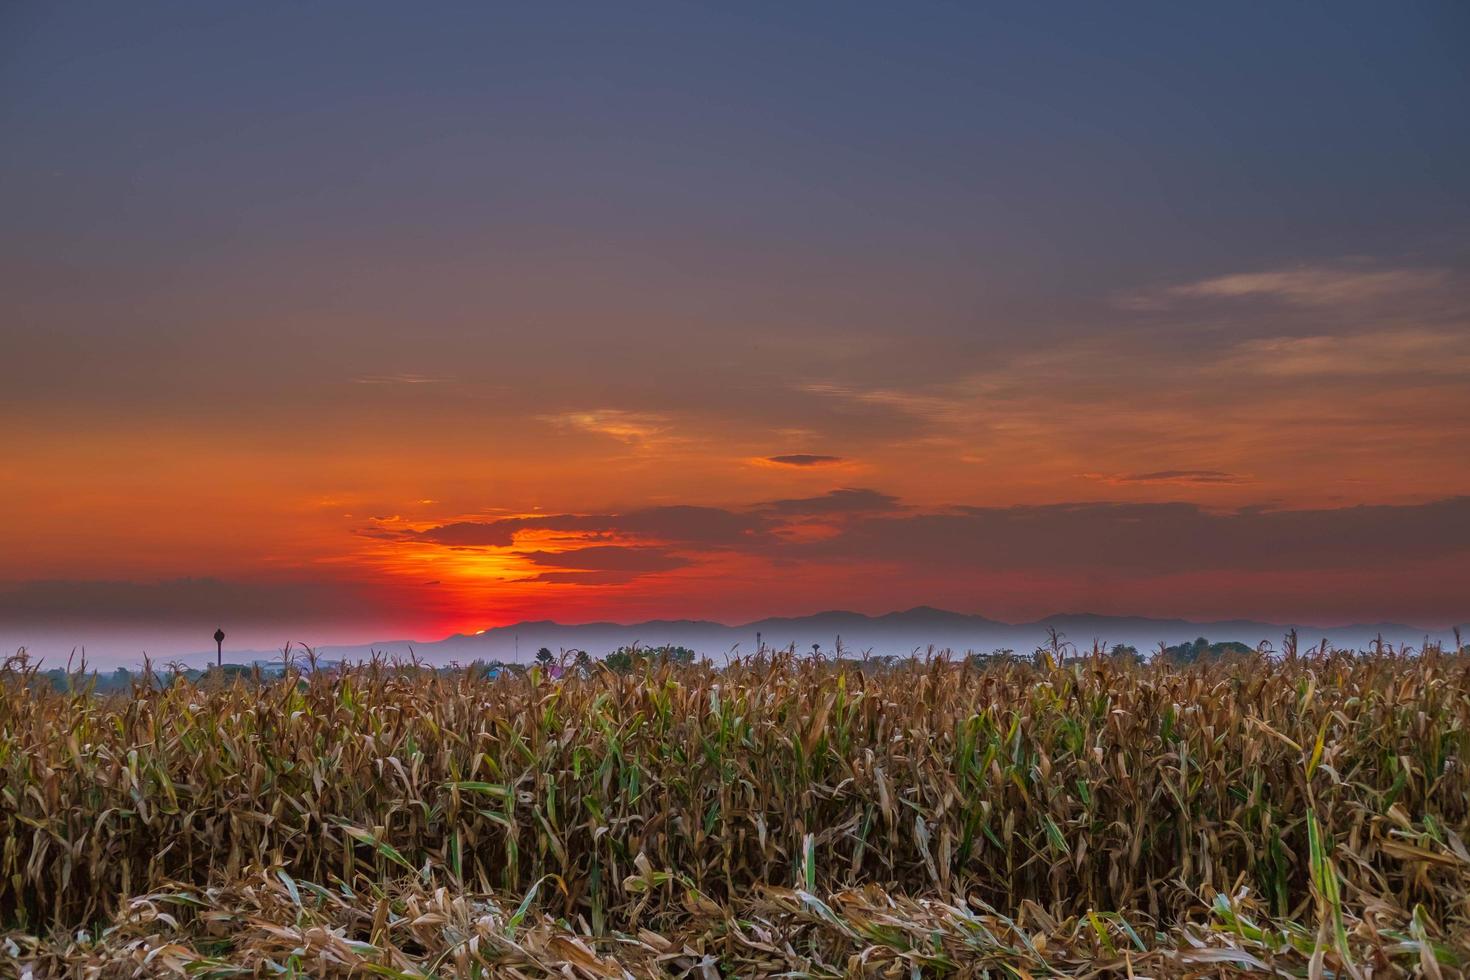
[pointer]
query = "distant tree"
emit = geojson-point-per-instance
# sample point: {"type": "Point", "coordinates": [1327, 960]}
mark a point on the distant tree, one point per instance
{"type": "Point", "coordinates": [621, 660]}
{"type": "Point", "coordinates": [1126, 652]}
{"type": "Point", "coordinates": [544, 657]}
{"type": "Point", "coordinates": [678, 655]}
{"type": "Point", "coordinates": [1202, 649]}
{"type": "Point", "coordinates": [624, 659]}
{"type": "Point", "coordinates": [582, 662]}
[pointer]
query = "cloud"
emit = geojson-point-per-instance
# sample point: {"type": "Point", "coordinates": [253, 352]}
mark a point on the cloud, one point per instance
{"type": "Point", "coordinates": [1189, 478]}
{"type": "Point", "coordinates": [687, 524]}
{"type": "Point", "coordinates": [924, 405]}
{"type": "Point", "coordinates": [864, 527]}
{"type": "Point", "coordinates": [1339, 284]}
{"type": "Point", "coordinates": [583, 578]}
{"type": "Point", "coordinates": [634, 428]}
{"type": "Point", "coordinates": [609, 558]}
{"type": "Point", "coordinates": [844, 501]}
{"type": "Point", "coordinates": [866, 535]}
{"type": "Point", "coordinates": [1406, 351]}
{"type": "Point", "coordinates": [400, 379]}
{"type": "Point", "coordinates": [677, 523]}
{"type": "Point", "coordinates": [465, 534]}
{"type": "Point", "coordinates": [196, 601]}
{"type": "Point", "coordinates": [1154, 538]}
{"type": "Point", "coordinates": [803, 459]}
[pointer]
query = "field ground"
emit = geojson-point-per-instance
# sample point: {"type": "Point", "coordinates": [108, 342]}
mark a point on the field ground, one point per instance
{"type": "Point", "coordinates": [778, 816]}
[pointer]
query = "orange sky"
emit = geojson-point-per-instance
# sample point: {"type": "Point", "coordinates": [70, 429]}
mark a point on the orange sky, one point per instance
{"type": "Point", "coordinates": [346, 494]}
{"type": "Point", "coordinates": [393, 340]}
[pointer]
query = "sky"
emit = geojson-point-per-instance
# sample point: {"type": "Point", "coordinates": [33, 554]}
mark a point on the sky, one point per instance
{"type": "Point", "coordinates": [337, 322]}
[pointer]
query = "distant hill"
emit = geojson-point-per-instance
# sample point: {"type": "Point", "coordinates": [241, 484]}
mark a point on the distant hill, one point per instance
{"type": "Point", "coordinates": [897, 633]}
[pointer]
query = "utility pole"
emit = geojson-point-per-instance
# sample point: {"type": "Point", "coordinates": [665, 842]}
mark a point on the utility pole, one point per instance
{"type": "Point", "coordinates": [219, 648]}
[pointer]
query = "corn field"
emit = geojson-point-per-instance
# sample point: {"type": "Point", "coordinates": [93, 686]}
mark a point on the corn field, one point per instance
{"type": "Point", "coordinates": [778, 815]}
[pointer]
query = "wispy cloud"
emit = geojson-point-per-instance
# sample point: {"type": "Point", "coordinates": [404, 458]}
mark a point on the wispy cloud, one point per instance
{"type": "Point", "coordinates": [1321, 285]}
{"type": "Point", "coordinates": [1185, 478]}
{"type": "Point", "coordinates": [633, 428]}
{"type": "Point", "coordinates": [1407, 351]}
{"type": "Point", "coordinates": [400, 379]}
{"type": "Point", "coordinates": [927, 405]}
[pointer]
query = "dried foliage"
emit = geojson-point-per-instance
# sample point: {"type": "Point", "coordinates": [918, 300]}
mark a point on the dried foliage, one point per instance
{"type": "Point", "coordinates": [777, 815]}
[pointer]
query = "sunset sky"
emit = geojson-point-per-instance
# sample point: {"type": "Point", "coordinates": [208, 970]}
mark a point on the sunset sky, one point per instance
{"type": "Point", "coordinates": [341, 322]}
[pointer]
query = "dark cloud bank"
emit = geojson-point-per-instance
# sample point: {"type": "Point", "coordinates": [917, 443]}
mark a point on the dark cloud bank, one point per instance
{"type": "Point", "coordinates": [1136, 538]}
{"type": "Point", "coordinates": [859, 527]}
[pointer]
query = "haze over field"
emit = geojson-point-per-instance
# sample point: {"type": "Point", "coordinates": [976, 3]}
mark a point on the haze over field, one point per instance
{"type": "Point", "coordinates": [344, 326]}
{"type": "Point", "coordinates": [922, 632]}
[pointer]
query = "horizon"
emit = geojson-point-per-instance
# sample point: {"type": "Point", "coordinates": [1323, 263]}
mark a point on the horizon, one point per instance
{"type": "Point", "coordinates": [980, 634]}
{"type": "Point", "coordinates": [441, 323]}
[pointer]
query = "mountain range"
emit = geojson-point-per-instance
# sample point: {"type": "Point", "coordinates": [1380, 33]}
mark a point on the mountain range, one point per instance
{"type": "Point", "coordinates": [897, 633]}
